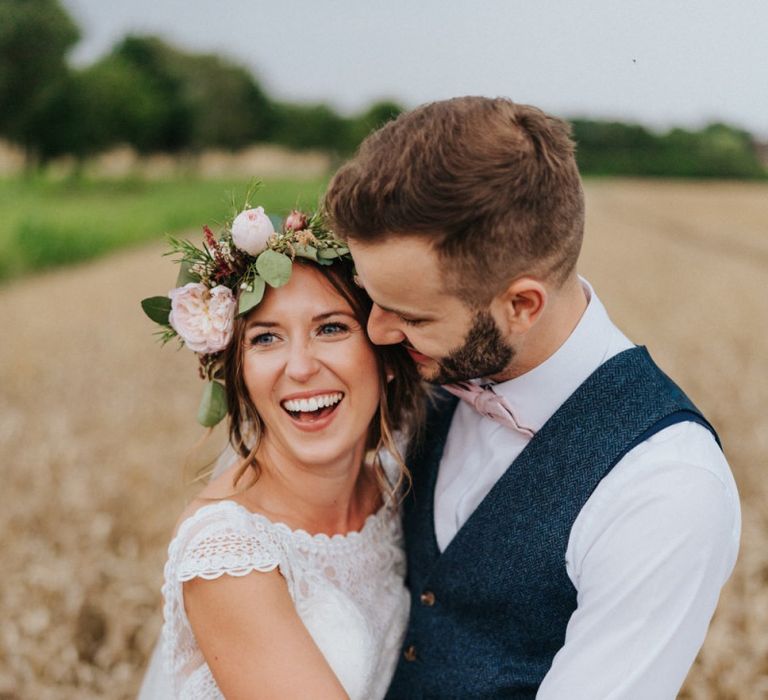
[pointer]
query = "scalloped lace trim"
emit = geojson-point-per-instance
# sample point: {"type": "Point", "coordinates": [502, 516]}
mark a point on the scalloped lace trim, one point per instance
{"type": "Point", "coordinates": [233, 553]}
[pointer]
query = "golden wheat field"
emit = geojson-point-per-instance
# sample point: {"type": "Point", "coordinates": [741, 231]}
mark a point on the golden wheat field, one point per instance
{"type": "Point", "coordinates": [97, 422]}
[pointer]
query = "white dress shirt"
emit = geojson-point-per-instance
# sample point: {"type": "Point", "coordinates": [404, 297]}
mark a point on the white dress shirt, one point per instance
{"type": "Point", "coordinates": [650, 549]}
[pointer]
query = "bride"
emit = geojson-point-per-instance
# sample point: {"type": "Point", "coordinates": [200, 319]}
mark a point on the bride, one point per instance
{"type": "Point", "coordinates": [284, 577]}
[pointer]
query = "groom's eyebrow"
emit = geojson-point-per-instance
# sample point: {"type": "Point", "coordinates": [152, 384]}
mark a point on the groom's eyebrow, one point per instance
{"type": "Point", "coordinates": [406, 314]}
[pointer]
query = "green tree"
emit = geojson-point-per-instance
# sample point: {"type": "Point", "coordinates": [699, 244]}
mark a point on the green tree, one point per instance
{"type": "Point", "coordinates": [727, 152]}
{"type": "Point", "coordinates": [374, 117]}
{"type": "Point", "coordinates": [612, 148]}
{"type": "Point", "coordinates": [35, 36]}
{"type": "Point", "coordinates": [156, 62]}
{"type": "Point", "coordinates": [202, 100]}
{"type": "Point", "coordinates": [311, 126]}
{"type": "Point", "coordinates": [108, 103]}
{"type": "Point", "coordinates": [229, 109]}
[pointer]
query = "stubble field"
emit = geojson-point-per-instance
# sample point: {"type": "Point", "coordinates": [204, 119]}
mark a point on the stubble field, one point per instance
{"type": "Point", "coordinates": [98, 421]}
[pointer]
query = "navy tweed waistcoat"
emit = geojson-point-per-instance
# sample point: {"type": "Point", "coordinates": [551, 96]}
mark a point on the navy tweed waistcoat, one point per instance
{"type": "Point", "coordinates": [489, 613]}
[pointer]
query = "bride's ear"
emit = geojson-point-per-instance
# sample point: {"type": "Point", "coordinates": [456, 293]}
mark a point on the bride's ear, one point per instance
{"type": "Point", "coordinates": [520, 305]}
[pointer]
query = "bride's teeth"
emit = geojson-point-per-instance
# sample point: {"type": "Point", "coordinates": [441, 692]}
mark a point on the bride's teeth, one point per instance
{"type": "Point", "coordinates": [313, 403]}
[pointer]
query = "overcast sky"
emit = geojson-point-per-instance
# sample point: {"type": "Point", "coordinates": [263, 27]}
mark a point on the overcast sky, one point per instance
{"type": "Point", "coordinates": [659, 62]}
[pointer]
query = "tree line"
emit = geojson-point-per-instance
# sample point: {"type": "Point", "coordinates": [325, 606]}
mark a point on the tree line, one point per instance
{"type": "Point", "coordinates": [156, 97]}
{"type": "Point", "coordinates": [718, 150]}
{"type": "Point", "coordinates": [146, 93]}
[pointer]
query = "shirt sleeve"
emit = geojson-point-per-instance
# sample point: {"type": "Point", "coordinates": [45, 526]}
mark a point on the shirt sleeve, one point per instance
{"type": "Point", "coordinates": [648, 555]}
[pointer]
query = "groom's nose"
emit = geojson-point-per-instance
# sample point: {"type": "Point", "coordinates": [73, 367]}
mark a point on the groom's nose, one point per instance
{"type": "Point", "coordinates": [384, 327]}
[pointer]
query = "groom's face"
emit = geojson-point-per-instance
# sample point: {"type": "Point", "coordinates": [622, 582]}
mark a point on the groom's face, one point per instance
{"type": "Point", "coordinates": [448, 340]}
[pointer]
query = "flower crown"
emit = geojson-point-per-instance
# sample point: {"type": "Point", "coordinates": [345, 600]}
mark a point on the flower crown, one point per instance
{"type": "Point", "coordinates": [227, 277]}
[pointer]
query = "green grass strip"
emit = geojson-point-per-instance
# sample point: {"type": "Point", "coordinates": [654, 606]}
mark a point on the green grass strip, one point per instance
{"type": "Point", "coordinates": [48, 223]}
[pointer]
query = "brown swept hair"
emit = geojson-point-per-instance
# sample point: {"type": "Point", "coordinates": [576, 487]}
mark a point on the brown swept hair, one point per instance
{"type": "Point", "coordinates": [401, 402]}
{"type": "Point", "coordinates": [493, 184]}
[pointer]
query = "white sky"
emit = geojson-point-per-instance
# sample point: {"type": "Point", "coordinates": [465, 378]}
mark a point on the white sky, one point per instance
{"type": "Point", "coordinates": [658, 62]}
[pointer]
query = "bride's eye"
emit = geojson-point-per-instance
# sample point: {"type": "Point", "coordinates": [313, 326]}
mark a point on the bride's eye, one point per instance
{"type": "Point", "coordinates": [262, 339]}
{"type": "Point", "coordinates": [331, 329]}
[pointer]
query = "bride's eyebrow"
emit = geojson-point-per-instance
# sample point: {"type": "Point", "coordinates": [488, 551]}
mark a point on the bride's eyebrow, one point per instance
{"type": "Point", "coordinates": [263, 324]}
{"type": "Point", "coordinates": [322, 317]}
{"type": "Point", "coordinates": [315, 319]}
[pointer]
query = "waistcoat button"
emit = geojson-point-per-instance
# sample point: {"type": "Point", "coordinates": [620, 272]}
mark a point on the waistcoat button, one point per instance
{"type": "Point", "coordinates": [410, 653]}
{"type": "Point", "coordinates": [427, 598]}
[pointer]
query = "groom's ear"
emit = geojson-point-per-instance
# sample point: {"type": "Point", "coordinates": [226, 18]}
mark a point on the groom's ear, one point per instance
{"type": "Point", "coordinates": [520, 305]}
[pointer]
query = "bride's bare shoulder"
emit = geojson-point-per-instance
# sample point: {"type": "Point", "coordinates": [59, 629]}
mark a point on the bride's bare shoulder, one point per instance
{"type": "Point", "coordinates": [221, 487]}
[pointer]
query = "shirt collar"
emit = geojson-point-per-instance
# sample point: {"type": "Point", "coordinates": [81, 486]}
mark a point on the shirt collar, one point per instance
{"type": "Point", "coordinates": [537, 394]}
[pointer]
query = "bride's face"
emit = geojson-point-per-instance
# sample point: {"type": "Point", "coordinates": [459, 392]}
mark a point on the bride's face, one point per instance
{"type": "Point", "coordinates": [310, 370]}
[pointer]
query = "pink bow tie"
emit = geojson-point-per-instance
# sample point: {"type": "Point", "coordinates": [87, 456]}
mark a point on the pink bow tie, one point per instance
{"type": "Point", "coordinates": [487, 403]}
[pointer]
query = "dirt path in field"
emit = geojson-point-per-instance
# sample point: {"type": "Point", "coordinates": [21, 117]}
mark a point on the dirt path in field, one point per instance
{"type": "Point", "coordinates": [97, 420]}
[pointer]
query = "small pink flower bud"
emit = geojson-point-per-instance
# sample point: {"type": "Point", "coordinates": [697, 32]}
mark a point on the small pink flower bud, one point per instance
{"type": "Point", "coordinates": [296, 221]}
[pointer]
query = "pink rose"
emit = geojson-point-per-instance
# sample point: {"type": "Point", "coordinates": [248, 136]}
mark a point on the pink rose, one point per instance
{"type": "Point", "coordinates": [295, 221]}
{"type": "Point", "coordinates": [251, 230]}
{"type": "Point", "coordinates": [203, 317]}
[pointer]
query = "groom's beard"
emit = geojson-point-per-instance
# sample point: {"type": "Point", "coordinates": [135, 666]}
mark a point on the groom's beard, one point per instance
{"type": "Point", "coordinates": [483, 354]}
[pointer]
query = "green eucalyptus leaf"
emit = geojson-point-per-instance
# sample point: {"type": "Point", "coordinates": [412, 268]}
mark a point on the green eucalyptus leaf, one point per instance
{"type": "Point", "coordinates": [213, 406]}
{"type": "Point", "coordinates": [306, 251]}
{"type": "Point", "coordinates": [327, 254]}
{"type": "Point", "coordinates": [185, 274]}
{"type": "Point", "coordinates": [249, 299]}
{"type": "Point", "coordinates": [332, 253]}
{"type": "Point", "coordinates": [274, 268]}
{"type": "Point", "coordinates": [157, 308]}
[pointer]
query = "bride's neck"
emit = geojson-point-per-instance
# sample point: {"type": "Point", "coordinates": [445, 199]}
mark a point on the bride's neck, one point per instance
{"type": "Point", "coordinates": [330, 499]}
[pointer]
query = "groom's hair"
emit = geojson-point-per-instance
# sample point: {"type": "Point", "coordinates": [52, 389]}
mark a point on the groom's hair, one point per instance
{"type": "Point", "coordinates": [492, 183]}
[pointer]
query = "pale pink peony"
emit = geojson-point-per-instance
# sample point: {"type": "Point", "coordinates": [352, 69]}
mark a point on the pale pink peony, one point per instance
{"type": "Point", "coordinates": [251, 230]}
{"type": "Point", "coordinates": [203, 317]}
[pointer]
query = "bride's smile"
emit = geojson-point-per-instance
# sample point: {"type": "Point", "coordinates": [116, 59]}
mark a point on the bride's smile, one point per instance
{"type": "Point", "coordinates": [312, 411]}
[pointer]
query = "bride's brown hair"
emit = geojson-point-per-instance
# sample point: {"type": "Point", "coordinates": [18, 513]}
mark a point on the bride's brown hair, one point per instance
{"type": "Point", "coordinates": [401, 401]}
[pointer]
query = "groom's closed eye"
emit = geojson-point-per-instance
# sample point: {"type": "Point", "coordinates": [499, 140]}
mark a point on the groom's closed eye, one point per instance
{"type": "Point", "coordinates": [406, 318]}
{"type": "Point", "coordinates": [413, 322]}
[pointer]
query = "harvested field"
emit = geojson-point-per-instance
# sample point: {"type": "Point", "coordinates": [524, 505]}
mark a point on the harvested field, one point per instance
{"type": "Point", "coordinates": [97, 421]}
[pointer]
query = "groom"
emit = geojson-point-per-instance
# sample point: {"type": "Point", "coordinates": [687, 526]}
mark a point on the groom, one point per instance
{"type": "Point", "coordinates": [572, 518]}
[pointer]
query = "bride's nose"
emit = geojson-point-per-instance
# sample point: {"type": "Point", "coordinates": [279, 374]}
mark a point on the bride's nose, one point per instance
{"type": "Point", "coordinates": [301, 364]}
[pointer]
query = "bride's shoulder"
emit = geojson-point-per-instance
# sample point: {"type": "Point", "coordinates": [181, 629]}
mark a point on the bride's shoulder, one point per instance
{"type": "Point", "coordinates": [219, 499]}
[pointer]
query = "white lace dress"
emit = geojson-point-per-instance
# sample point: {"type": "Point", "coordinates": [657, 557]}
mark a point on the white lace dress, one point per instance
{"type": "Point", "coordinates": [348, 591]}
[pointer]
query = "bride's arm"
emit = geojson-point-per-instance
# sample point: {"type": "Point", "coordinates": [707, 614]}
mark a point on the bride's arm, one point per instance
{"type": "Point", "coordinates": [254, 641]}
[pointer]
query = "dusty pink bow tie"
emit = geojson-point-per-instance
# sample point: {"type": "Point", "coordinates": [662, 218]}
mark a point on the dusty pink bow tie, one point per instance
{"type": "Point", "coordinates": [487, 403]}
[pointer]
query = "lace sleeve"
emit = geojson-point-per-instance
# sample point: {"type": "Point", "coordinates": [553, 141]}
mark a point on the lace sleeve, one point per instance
{"type": "Point", "coordinates": [223, 538]}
